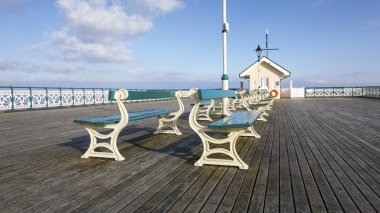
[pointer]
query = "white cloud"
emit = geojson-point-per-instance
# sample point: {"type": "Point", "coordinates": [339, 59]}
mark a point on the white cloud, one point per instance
{"type": "Point", "coordinates": [17, 66]}
{"type": "Point", "coordinates": [98, 30]}
{"type": "Point", "coordinates": [74, 49]}
{"type": "Point", "coordinates": [58, 72]}
{"type": "Point", "coordinates": [156, 6]}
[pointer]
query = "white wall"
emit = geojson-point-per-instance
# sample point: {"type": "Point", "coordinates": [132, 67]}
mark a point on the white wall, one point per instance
{"type": "Point", "coordinates": [285, 92]}
{"type": "Point", "coordinates": [298, 92]}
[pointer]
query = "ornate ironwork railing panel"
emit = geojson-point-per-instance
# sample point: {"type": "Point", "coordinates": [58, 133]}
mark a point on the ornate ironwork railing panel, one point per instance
{"type": "Point", "coordinates": [22, 98]}
{"type": "Point", "coordinates": [6, 100]}
{"type": "Point", "coordinates": [323, 92]}
{"type": "Point", "coordinates": [54, 97]}
{"type": "Point", "coordinates": [39, 98]}
{"type": "Point", "coordinates": [79, 97]}
{"type": "Point", "coordinates": [371, 92]}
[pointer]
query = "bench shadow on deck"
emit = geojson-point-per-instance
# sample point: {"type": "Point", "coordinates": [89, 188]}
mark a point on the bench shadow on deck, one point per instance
{"type": "Point", "coordinates": [81, 143]}
{"type": "Point", "coordinates": [314, 155]}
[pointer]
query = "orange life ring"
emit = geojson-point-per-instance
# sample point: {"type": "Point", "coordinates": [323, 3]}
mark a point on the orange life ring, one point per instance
{"type": "Point", "coordinates": [273, 93]}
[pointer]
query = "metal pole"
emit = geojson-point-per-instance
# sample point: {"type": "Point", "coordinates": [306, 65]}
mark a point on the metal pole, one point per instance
{"type": "Point", "coordinates": [225, 29]}
{"type": "Point", "coordinates": [266, 41]}
{"type": "Point", "coordinates": [258, 71]}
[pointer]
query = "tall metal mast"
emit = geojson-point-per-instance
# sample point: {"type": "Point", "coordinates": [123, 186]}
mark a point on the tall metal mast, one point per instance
{"type": "Point", "coordinates": [225, 29]}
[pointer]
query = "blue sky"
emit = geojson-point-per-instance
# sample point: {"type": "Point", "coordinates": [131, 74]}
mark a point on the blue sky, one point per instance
{"type": "Point", "coordinates": [178, 43]}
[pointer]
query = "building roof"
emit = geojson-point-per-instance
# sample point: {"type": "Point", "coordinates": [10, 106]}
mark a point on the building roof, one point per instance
{"type": "Point", "coordinates": [285, 73]}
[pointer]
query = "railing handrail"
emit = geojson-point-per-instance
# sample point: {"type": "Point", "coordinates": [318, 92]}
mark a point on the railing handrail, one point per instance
{"type": "Point", "coordinates": [354, 91]}
{"type": "Point", "coordinates": [15, 98]}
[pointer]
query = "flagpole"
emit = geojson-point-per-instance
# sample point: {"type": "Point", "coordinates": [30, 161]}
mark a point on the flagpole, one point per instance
{"type": "Point", "coordinates": [225, 29]}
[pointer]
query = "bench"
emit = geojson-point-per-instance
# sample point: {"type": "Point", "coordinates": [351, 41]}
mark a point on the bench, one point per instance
{"type": "Point", "coordinates": [167, 121]}
{"type": "Point", "coordinates": [204, 110]}
{"type": "Point", "coordinates": [237, 124]}
{"type": "Point", "coordinates": [251, 102]}
{"type": "Point", "coordinates": [210, 107]}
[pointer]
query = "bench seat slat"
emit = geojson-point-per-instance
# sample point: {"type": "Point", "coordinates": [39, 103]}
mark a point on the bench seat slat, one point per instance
{"type": "Point", "coordinates": [114, 119]}
{"type": "Point", "coordinates": [143, 95]}
{"type": "Point", "coordinates": [206, 94]}
{"type": "Point", "coordinates": [237, 120]}
{"type": "Point", "coordinates": [260, 103]}
{"type": "Point", "coordinates": [202, 104]}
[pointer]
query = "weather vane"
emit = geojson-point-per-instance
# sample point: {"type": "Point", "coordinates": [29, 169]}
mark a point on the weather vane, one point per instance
{"type": "Point", "coordinates": [266, 43]}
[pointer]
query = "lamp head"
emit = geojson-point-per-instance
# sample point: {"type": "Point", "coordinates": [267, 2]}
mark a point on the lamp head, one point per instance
{"type": "Point", "coordinates": [258, 51]}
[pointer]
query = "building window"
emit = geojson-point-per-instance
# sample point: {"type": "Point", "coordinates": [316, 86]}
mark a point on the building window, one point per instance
{"type": "Point", "coordinates": [264, 83]}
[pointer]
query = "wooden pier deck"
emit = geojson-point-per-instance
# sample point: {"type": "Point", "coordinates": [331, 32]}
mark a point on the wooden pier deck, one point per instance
{"type": "Point", "coordinates": [315, 155]}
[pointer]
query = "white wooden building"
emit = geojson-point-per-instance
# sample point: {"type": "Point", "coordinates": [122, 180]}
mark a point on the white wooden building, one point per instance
{"type": "Point", "coordinates": [266, 75]}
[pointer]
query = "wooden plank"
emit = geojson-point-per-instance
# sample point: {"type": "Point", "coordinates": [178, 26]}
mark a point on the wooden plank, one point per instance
{"type": "Point", "coordinates": [134, 198]}
{"type": "Point", "coordinates": [272, 195]}
{"type": "Point", "coordinates": [231, 194]}
{"type": "Point", "coordinates": [287, 203]}
{"type": "Point", "coordinates": [257, 202]}
{"type": "Point", "coordinates": [345, 201]}
{"type": "Point", "coordinates": [312, 191]}
{"type": "Point", "coordinates": [177, 193]}
{"type": "Point", "coordinates": [243, 199]}
{"type": "Point", "coordinates": [189, 195]}
{"type": "Point", "coordinates": [330, 200]}
{"type": "Point", "coordinates": [301, 202]}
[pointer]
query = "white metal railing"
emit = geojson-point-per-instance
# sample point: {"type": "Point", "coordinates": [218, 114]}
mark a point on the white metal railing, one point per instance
{"type": "Point", "coordinates": [23, 98]}
{"type": "Point", "coordinates": [364, 91]}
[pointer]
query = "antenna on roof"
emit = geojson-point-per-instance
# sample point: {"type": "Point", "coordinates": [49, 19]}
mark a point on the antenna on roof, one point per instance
{"type": "Point", "coordinates": [266, 40]}
{"type": "Point", "coordinates": [266, 43]}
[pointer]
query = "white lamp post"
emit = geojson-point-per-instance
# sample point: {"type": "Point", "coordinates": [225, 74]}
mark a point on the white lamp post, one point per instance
{"type": "Point", "coordinates": [258, 52]}
{"type": "Point", "coordinates": [225, 29]}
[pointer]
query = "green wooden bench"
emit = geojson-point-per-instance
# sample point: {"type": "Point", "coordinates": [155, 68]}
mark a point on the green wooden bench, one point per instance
{"type": "Point", "coordinates": [252, 102]}
{"type": "Point", "coordinates": [212, 107]}
{"type": "Point", "coordinates": [167, 121]}
{"type": "Point", "coordinates": [237, 124]}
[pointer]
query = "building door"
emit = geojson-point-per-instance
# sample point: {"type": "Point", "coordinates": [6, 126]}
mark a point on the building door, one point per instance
{"type": "Point", "coordinates": [264, 83]}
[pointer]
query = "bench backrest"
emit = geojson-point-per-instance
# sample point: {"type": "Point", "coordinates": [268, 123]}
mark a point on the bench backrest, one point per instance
{"type": "Point", "coordinates": [143, 95]}
{"type": "Point", "coordinates": [206, 94]}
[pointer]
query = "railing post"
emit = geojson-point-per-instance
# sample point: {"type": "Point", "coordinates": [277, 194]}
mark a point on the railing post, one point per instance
{"type": "Point", "coordinates": [72, 92]}
{"type": "Point", "coordinates": [47, 97]}
{"type": "Point", "coordinates": [103, 95]}
{"type": "Point", "coordinates": [93, 89]}
{"type": "Point", "coordinates": [60, 97]}
{"type": "Point", "coordinates": [12, 98]}
{"type": "Point", "coordinates": [31, 97]}
{"type": "Point", "coordinates": [109, 94]}
{"type": "Point", "coordinates": [84, 96]}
